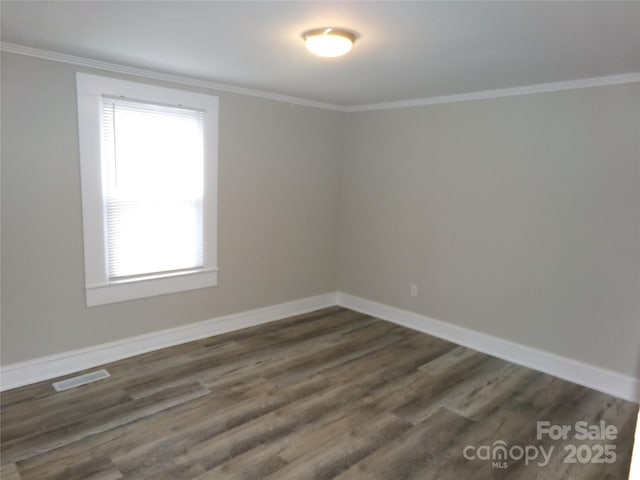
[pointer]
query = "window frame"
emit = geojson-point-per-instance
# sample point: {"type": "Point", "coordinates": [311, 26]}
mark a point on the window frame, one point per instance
{"type": "Point", "coordinates": [99, 289]}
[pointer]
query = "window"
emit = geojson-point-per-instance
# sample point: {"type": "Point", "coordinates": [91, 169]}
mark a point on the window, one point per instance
{"type": "Point", "coordinates": [149, 165]}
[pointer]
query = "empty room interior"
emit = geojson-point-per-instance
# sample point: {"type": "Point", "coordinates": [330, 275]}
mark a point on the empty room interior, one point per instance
{"type": "Point", "coordinates": [320, 240]}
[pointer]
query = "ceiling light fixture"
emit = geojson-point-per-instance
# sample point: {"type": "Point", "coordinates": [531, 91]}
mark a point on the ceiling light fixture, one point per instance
{"type": "Point", "coordinates": [329, 41]}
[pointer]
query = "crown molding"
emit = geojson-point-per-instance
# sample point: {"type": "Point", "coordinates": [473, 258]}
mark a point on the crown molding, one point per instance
{"type": "Point", "coordinates": [157, 75]}
{"type": "Point", "coordinates": [503, 92]}
{"type": "Point", "coordinates": [194, 82]}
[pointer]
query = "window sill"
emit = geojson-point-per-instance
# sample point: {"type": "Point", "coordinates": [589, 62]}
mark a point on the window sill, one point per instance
{"type": "Point", "coordinates": [123, 290]}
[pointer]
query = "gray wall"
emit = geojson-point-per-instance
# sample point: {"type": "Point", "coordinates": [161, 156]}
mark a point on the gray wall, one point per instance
{"type": "Point", "coordinates": [279, 167]}
{"type": "Point", "coordinates": [517, 217]}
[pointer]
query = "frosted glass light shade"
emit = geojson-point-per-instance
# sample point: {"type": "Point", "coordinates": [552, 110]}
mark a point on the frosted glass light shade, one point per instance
{"type": "Point", "coordinates": [329, 42]}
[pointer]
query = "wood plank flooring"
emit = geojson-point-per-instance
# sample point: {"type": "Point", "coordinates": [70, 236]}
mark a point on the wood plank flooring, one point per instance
{"type": "Point", "coordinates": [328, 395]}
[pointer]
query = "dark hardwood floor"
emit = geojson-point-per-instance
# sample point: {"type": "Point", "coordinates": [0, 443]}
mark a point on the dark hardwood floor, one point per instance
{"type": "Point", "coordinates": [328, 395]}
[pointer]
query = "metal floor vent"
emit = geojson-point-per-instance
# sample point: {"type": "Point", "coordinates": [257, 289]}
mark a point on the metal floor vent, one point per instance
{"type": "Point", "coordinates": [80, 380]}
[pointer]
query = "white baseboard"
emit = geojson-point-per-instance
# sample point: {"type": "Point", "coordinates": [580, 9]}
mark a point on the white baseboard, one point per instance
{"type": "Point", "coordinates": [51, 366]}
{"type": "Point", "coordinates": [597, 378]}
{"type": "Point", "coordinates": [45, 368]}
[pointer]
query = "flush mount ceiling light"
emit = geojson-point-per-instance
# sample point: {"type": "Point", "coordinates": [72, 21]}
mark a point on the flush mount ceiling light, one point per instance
{"type": "Point", "coordinates": [328, 41]}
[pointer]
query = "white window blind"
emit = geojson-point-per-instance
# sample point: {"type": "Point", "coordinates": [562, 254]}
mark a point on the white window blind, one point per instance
{"type": "Point", "coordinates": [153, 184]}
{"type": "Point", "coordinates": [149, 171]}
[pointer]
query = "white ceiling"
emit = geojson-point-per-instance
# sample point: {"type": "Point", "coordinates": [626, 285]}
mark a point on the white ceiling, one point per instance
{"type": "Point", "coordinates": [406, 50]}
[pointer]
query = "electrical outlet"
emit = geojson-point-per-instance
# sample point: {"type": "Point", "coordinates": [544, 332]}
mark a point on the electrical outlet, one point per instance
{"type": "Point", "coordinates": [413, 290]}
